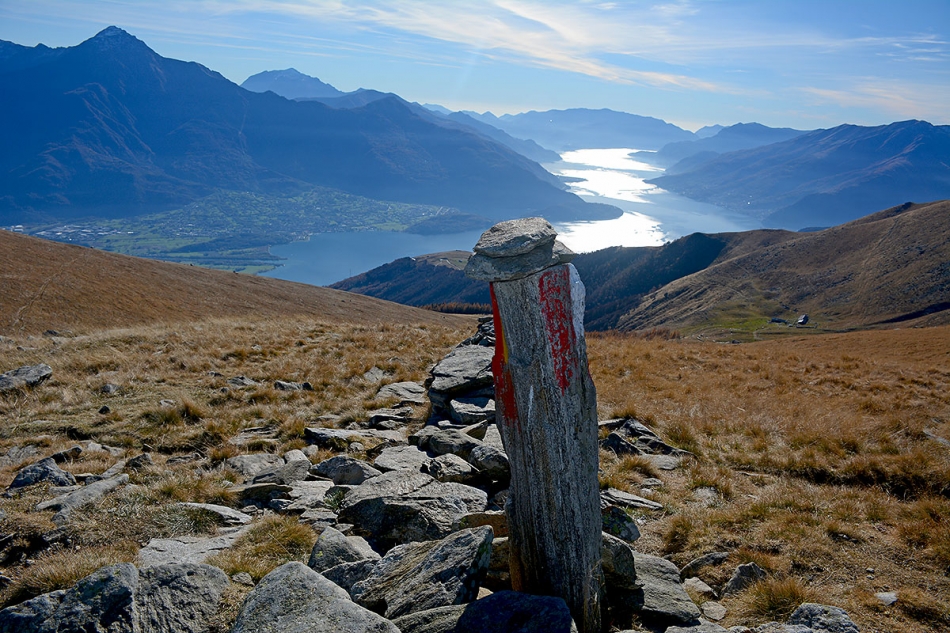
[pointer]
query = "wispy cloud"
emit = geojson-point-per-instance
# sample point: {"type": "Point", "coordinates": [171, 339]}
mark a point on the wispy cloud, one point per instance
{"type": "Point", "coordinates": [901, 99]}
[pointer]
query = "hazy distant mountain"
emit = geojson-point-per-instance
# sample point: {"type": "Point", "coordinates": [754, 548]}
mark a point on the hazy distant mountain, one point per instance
{"type": "Point", "coordinates": [580, 128]}
{"type": "Point", "coordinates": [290, 83]}
{"type": "Point", "coordinates": [109, 127]}
{"type": "Point", "coordinates": [825, 177]}
{"type": "Point", "coordinates": [889, 267]}
{"type": "Point", "coordinates": [708, 130]}
{"type": "Point", "coordinates": [727, 139]}
{"type": "Point", "coordinates": [435, 107]}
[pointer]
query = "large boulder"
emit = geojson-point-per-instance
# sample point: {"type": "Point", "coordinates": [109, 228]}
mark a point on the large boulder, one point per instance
{"type": "Point", "coordinates": [404, 392]}
{"type": "Point", "coordinates": [28, 376]}
{"type": "Point", "coordinates": [252, 465]}
{"type": "Point", "coordinates": [661, 598]}
{"type": "Point", "coordinates": [618, 562]}
{"type": "Point", "coordinates": [822, 618]}
{"type": "Point", "coordinates": [402, 458]}
{"type": "Point", "coordinates": [345, 470]}
{"type": "Point", "coordinates": [295, 599]}
{"type": "Point", "coordinates": [419, 576]}
{"type": "Point", "coordinates": [465, 372]}
{"type": "Point", "coordinates": [187, 549]}
{"type": "Point", "coordinates": [514, 611]}
{"type": "Point", "coordinates": [176, 598]}
{"type": "Point", "coordinates": [333, 548]}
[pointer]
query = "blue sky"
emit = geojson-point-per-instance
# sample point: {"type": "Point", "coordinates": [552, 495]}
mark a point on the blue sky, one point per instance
{"type": "Point", "coordinates": [800, 63]}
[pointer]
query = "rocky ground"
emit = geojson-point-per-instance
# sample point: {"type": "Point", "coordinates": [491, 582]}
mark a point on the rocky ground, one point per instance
{"type": "Point", "coordinates": [401, 524]}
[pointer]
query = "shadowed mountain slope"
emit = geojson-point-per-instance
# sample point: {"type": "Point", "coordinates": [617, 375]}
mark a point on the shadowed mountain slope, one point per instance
{"type": "Point", "coordinates": [110, 128]}
{"type": "Point", "coordinates": [290, 83]}
{"type": "Point", "coordinates": [825, 177]}
{"type": "Point", "coordinates": [49, 285]}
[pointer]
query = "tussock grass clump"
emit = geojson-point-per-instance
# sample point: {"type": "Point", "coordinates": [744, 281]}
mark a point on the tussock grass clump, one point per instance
{"type": "Point", "coordinates": [774, 599]}
{"type": "Point", "coordinates": [61, 570]}
{"type": "Point", "coordinates": [273, 541]}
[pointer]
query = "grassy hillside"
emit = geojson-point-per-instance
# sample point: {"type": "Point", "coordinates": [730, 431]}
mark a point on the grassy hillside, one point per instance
{"type": "Point", "coordinates": [51, 286]}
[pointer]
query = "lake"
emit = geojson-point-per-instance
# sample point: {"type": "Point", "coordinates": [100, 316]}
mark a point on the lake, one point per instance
{"type": "Point", "coordinates": [651, 217]}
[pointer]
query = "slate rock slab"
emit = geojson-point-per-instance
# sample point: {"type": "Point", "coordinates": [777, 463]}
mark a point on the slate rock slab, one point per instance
{"type": "Point", "coordinates": [438, 620]}
{"type": "Point", "coordinates": [178, 598]}
{"type": "Point", "coordinates": [227, 516]}
{"type": "Point", "coordinates": [702, 627]}
{"type": "Point", "coordinates": [744, 576]}
{"type": "Point", "coordinates": [186, 549]}
{"type": "Point", "coordinates": [345, 470]}
{"type": "Point", "coordinates": [295, 599]}
{"type": "Point", "coordinates": [823, 619]}
{"type": "Point", "coordinates": [404, 392]}
{"type": "Point", "coordinates": [345, 575]}
{"type": "Point", "coordinates": [662, 597]}
{"type": "Point", "coordinates": [43, 470]}
{"type": "Point", "coordinates": [615, 497]}
{"type": "Point", "coordinates": [620, 524]}
{"type": "Point", "coordinates": [419, 576]}
{"type": "Point", "coordinates": [463, 371]}
{"type": "Point", "coordinates": [618, 562]}
{"type": "Point", "coordinates": [252, 465]}
{"type": "Point", "coordinates": [28, 376]}
{"type": "Point", "coordinates": [65, 504]}
{"type": "Point", "coordinates": [333, 547]}
{"type": "Point", "coordinates": [402, 458]}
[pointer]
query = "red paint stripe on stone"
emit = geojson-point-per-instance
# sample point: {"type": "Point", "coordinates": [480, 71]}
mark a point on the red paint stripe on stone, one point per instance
{"type": "Point", "coordinates": [504, 389]}
{"type": "Point", "coordinates": [554, 287]}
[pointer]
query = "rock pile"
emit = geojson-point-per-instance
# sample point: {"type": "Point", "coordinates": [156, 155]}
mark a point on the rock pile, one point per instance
{"type": "Point", "coordinates": [412, 532]}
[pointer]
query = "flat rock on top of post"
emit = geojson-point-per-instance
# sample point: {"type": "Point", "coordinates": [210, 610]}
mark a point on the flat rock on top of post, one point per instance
{"type": "Point", "coordinates": [486, 268]}
{"type": "Point", "coordinates": [515, 237]}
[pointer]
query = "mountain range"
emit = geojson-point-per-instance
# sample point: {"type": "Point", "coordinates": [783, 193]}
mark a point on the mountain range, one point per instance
{"type": "Point", "coordinates": [889, 267]}
{"type": "Point", "coordinates": [111, 128]}
{"type": "Point", "coordinates": [824, 177]}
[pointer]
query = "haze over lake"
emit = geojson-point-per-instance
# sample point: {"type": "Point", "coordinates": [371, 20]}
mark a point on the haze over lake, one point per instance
{"type": "Point", "coordinates": [651, 217]}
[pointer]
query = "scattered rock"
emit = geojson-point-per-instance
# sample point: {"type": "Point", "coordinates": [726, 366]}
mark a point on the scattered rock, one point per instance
{"type": "Point", "coordinates": [438, 620]}
{"type": "Point", "coordinates": [140, 461]}
{"type": "Point", "coordinates": [43, 470]}
{"type": "Point", "coordinates": [288, 473]}
{"type": "Point", "coordinates": [823, 618]}
{"type": "Point", "coordinates": [333, 548]}
{"type": "Point", "coordinates": [293, 598]}
{"type": "Point", "coordinates": [662, 597]}
{"type": "Point", "coordinates": [701, 627]}
{"type": "Point", "coordinates": [243, 578]}
{"type": "Point", "coordinates": [887, 598]}
{"type": "Point", "coordinates": [375, 374]}
{"type": "Point", "coordinates": [451, 467]}
{"type": "Point", "coordinates": [618, 563]}
{"type": "Point", "coordinates": [713, 610]}
{"type": "Point", "coordinates": [252, 465]}
{"type": "Point", "coordinates": [242, 381]}
{"type": "Point", "coordinates": [472, 410]}
{"type": "Point", "coordinates": [452, 441]}
{"type": "Point", "coordinates": [90, 493]}
{"type": "Point", "coordinates": [104, 410]}
{"type": "Point", "coordinates": [402, 458]}
{"type": "Point", "coordinates": [419, 576]}
{"type": "Point", "coordinates": [617, 444]}
{"type": "Point", "coordinates": [620, 524]}
{"type": "Point", "coordinates": [28, 376]}
{"type": "Point", "coordinates": [404, 392]}
{"type": "Point", "coordinates": [744, 576]}
{"type": "Point", "coordinates": [260, 493]}
{"type": "Point", "coordinates": [706, 560]}
{"type": "Point", "coordinates": [464, 372]}
{"type": "Point", "coordinates": [345, 575]}
{"type": "Point", "coordinates": [178, 598]}
{"type": "Point", "coordinates": [491, 462]}
{"type": "Point", "coordinates": [340, 439]}
{"type": "Point", "coordinates": [343, 469]}
{"type": "Point", "coordinates": [228, 516]}
{"type": "Point", "coordinates": [283, 385]}
{"type": "Point", "coordinates": [615, 497]}
{"type": "Point", "coordinates": [700, 588]}
{"type": "Point", "coordinates": [186, 549]}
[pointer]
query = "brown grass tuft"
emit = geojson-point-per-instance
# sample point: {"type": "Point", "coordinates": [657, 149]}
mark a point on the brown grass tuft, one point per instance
{"type": "Point", "coordinates": [273, 541]}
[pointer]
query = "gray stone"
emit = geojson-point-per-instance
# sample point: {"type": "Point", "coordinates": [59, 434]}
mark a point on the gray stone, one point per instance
{"type": "Point", "coordinates": [404, 392]}
{"type": "Point", "coordinates": [420, 576]}
{"type": "Point", "coordinates": [296, 455]}
{"type": "Point", "coordinates": [108, 389]}
{"type": "Point", "coordinates": [498, 577]}
{"type": "Point", "coordinates": [472, 410]}
{"type": "Point", "coordinates": [887, 598]}
{"type": "Point", "coordinates": [776, 627]}
{"type": "Point", "coordinates": [108, 473]}
{"type": "Point", "coordinates": [402, 458]}
{"type": "Point", "coordinates": [178, 598]}
{"type": "Point", "coordinates": [493, 437]}
{"type": "Point", "coordinates": [492, 462]}
{"type": "Point", "coordinates": [43, 470]}
{"type": "Point", "coordinates": [333, 548]}
{"type": "Point", "coordinates": [67, 456]}
{"type": "Point", "coordinates": [345, 575]}
{"type": "Point", "coordinates": [343, 469]}
{"type": "Point", "coordinates": [700, 588]}
{"type": "Point", "coordinates": [28, 376]}
{"type": "Point", "coordinates": [515, 612]}
{"type": "Point", "coordinates": [662, 597]}
{"type": "Point", "coordinates": [295, 599]}
{"type": "Point", "coordinates": [261, 493]}
{"type": "Point", "coordinates": [438, 620]}
{"type": "Point", "coordinates": [242, 381]}
{"type": "Point", "coordinates": [615, 443]}
{"type": "Point", "coordinates": [287, 474]}
{"type": "Point", "coordinates": [744, 576]}
{"type": "Point", "coordinates": [464, 370]}
{"type": "Point", "coordinates": [284, 385]}
{"type": "Point", "coordinates": [68, 502]}
{"type": "Point", "coordinates": [713, 610]}
{"type": "Point", "coordinates": [18, 454]}
{"type": "Point", "coordinates": [228, 516]}
{"type": "Point", "coordinates": [702, 627]}
{"type": "Point", "coordinates": [620, 524]}
{"type": "Point", "coordinates": [30, 616]}
{"type": "Point", "coordinates": [451, 467]}
{"type": "Point", "coordinates": [420, 438]}
{"type": "Point", "coordinates": [618, 563]}
{"type": "Point", "coordinates": [475, 499]}
{"type": "Point", "coordinates": [497, 519]}
{"type": "Point", "coordinates": [452, 441]}
{"type": "Point", "coordinates": [252, 465]}
{"type": "Point", "coordinates": [395, 483]}
{"type": "Point", "coordinates": [615, 497]}
{"type": "Point", "coordinates": [340, 439]}
{"type": "Point", "coordinates": [186, 549]}
{"type": "Point", "coordinates": [486, 268]}
{"type": "Point", "coordinates": [515, 237]}
{"type": "Point", "coordinates": [139, 462]}
{"type": "Point", "coordinates": [307, 495]}
{"type": "Point", "coordinates": [243, 578]}
{"type": "Point", "coordinates": [706, 560]}
{"type": "Point", "coordinates": [823, 618]}
{"type": "Point", "coordinates": [664, 462]}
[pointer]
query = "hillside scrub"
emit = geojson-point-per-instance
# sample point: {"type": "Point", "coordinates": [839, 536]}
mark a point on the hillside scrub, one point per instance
{"type": "Point", "coordinates": [814, 457]}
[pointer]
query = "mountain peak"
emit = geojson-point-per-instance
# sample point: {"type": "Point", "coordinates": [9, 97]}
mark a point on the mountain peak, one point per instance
{"type": "Point", "coordinates": [114, 38]}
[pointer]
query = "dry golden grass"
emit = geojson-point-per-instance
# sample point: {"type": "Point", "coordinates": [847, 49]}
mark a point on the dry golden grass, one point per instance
{"type": "Point", "coordinates": [818, 452]}
{"type": "Point", "coordinates": [270, 543]}
{"type": "Point", "coordinates": [817, 448]}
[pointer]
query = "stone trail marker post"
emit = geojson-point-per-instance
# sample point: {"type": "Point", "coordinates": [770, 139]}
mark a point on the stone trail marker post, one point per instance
{"type": "Point", "coordinates": [547, 414]}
